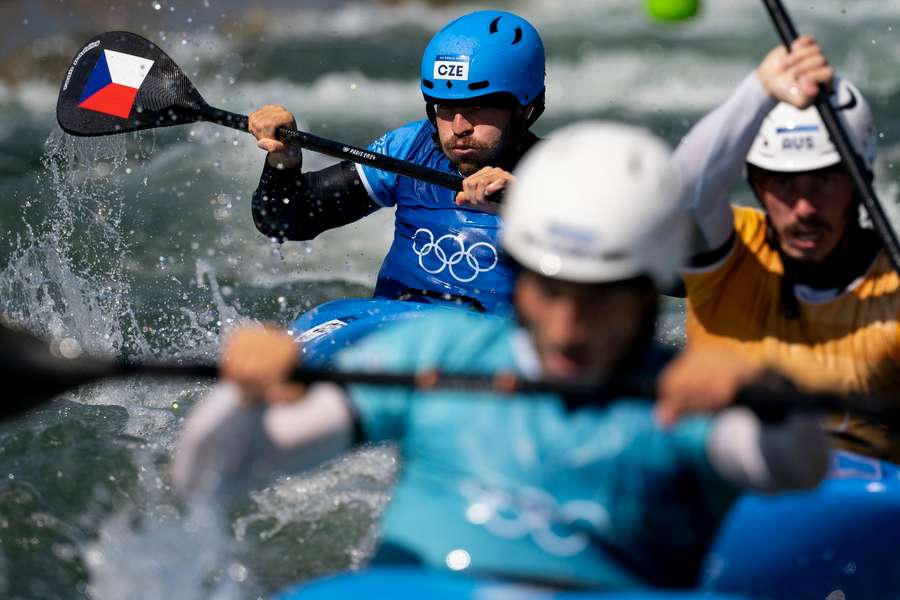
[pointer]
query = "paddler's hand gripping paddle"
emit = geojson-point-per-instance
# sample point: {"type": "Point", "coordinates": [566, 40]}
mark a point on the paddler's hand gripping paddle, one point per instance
{"type": "Point", "coordinates": [122, 82]}
{"type": "Point", "coordinates": [37, 373]}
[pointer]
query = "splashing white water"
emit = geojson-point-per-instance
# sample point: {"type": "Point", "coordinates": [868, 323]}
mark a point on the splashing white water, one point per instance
{"type": "Point", "coordinates": [172, 557]}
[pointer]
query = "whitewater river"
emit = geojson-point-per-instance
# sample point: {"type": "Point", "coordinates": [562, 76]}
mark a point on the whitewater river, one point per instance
{"type": "Point", "coordinates": [142, 245]}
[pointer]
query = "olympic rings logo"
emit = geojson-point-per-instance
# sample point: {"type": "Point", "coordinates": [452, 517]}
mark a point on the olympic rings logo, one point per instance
{"type": "Point", "coordinates": [558, 529]}
{"type": "Point", "coordinates": [456, 257]}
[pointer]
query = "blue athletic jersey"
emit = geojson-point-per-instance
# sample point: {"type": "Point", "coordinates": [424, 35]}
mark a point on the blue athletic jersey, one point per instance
{"type": "Point", "coordinates": [523, 487]}
{"type": "Point", "coordinates": [438, 246]}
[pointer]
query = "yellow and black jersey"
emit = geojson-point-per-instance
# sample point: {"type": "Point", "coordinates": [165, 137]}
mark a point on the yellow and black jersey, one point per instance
{"type": "Point", "coordinates": [848, 342]}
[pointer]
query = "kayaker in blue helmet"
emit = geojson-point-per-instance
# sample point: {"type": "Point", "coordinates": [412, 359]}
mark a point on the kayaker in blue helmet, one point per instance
{"type": "Point", "coordinates": [541, 489]}
{"type": "Point", "coordinates": [482, 77]}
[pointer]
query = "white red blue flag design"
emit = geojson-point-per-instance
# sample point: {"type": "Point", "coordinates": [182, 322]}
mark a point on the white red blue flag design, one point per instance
{"type": "Point", "coordinates": [114, 83]}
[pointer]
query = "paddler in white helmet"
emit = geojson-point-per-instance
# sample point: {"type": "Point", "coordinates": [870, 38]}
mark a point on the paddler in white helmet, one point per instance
{"type": "Point", "coordinates": [537, 489]}
{"type": "Point", "coordinates": [800, 285]}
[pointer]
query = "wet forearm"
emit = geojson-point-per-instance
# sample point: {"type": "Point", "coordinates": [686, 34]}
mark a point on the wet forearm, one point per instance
{"type": "Point", "coordinates": [290, 205]}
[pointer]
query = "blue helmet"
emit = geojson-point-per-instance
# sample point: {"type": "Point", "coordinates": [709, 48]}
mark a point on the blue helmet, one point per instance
{"type": "Point", "coordinates": [482, 53]}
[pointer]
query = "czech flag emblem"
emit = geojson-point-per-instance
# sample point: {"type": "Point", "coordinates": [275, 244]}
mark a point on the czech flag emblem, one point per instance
{"type": "Point", "coordinates": [114, 83]}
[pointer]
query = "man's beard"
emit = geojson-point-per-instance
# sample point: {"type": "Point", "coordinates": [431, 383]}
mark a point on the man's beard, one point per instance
{"type": "Point", "coordinates": [497, 156]}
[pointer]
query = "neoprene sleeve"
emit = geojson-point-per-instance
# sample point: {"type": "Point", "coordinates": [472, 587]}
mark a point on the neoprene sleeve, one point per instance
{"type": "Point", "coordinates": [711, 158]}
{"type": "Point", "coordinates": [290, 205]}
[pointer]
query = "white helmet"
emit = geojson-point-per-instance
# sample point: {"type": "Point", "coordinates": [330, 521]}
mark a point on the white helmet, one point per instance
{"type": "Point", "coordinates": [793, 140]}
{"type": "Point", "coordinates": [597, 202]}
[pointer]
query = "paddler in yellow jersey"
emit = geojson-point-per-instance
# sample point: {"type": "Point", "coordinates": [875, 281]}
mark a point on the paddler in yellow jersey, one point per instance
{"type": "Point", "coordinates": [801, 285]}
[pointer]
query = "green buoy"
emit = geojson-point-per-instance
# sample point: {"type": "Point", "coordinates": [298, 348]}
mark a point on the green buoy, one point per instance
{"type": "Point", "coordinates": [673, 10]}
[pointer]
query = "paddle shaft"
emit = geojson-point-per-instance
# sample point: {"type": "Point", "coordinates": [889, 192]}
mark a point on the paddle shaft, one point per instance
{"type": "Point", "coordinates": [343, 151]}
{"type": "Point", "coordinates": [768, 402]}
{"type": "Point", "coordinates": [504, 383]}
{"type": "Point", "coordinates": [854, 163]}
{"type": "Point", "coordinates": [40, 374]}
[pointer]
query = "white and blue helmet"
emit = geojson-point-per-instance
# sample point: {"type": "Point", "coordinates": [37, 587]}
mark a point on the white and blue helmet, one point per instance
{"type": "Point", "coordinates": [558, 222]}
{"type": "Point", "coordinates": [791, 140]}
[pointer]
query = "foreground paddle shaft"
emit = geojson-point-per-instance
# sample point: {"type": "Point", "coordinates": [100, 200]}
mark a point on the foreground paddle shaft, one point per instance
{"type": "Point", "coordinates": [39, 371]}
{"type": "Point", "coordinates": [499, 383]}
{"type": "Point", "coordinates": [120, 82]}
{"type": "Point", "coordinates": [854, 163]}
{"type": "Point", "coordinates": [342, 151]}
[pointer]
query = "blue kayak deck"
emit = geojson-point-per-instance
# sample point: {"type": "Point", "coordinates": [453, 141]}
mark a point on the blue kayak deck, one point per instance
{"type": "Point", "coordinates": [328, 328]}
{"type": "Point", "coordinates": [421, 584]}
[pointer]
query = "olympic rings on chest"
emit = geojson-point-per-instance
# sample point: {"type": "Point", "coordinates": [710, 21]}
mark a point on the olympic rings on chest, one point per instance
{"type": "Point", "coordinates": [450, 252]}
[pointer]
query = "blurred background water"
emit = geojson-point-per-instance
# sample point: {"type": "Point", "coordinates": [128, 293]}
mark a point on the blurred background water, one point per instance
{"type": "Point", "coordinates": [142, 245]}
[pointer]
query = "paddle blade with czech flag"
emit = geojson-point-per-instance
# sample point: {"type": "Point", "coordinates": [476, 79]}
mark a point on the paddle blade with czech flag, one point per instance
{"type": "Point", "coordinates": [120, 82]}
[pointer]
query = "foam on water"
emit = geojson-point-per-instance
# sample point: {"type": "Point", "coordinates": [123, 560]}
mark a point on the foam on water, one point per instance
{"type": "Point", "coordinates": [173, 556]}
{"type": "Point", "coordinates": [71, 278]}
{"type": "Point", "coordinates": [55, 285]}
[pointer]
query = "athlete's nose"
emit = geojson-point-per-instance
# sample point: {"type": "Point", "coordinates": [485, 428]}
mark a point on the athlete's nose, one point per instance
{"type": "Point", "coordinates": [565, 322]}
{"type": "Point", "coordinates": [461, 126]}
{"type": "Point", "coordinates": [803, 207]}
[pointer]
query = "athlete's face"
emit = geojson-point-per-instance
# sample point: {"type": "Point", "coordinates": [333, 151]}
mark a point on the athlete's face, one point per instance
{"type": "Point", "coordinates": [474, 137]}
{"type": "Point", "coordinates": [579, 330]}
{"type": "Point", "coordinates": [809, 211]}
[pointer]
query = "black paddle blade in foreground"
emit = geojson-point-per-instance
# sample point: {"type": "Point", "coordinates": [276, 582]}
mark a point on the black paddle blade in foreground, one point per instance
{"type": "Point", "coordinates": [34, 374]}
{"type": "Point", "coordinates": [122, 82]}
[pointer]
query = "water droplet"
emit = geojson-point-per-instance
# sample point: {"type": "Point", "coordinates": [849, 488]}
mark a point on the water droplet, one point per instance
{"type": "Point", "coordinates": [156, 6]}
{"type": "Point", "coordinates": [875, 487]}
{"type": "Point", "coordinates": [457, 560]}
{"type": "Point", "coordinates": [94, 558]}
{"type": "Point", "coordinates": [70, 348]}
{"type": "Point", "coordinates": [237, 572]}
{"type": "Point", "coordinates": [478, 513]}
